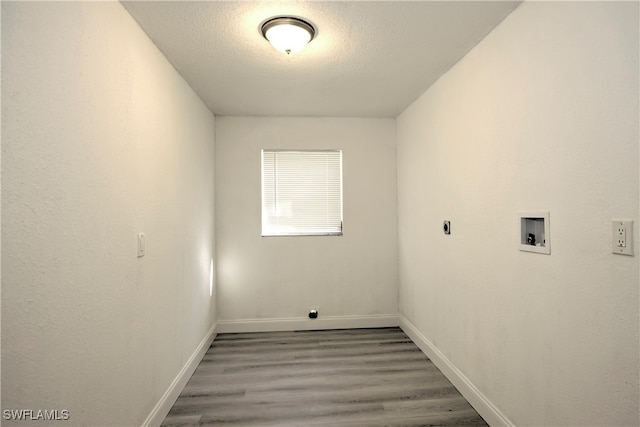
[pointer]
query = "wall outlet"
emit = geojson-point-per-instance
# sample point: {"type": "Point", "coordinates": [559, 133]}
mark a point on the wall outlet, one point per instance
{"type": "Point", "coordinates": [622, 237]}
{"type": "Point", "coordinates": [313, 313]}
{"type": "Point", "coordinates": [621, 232]}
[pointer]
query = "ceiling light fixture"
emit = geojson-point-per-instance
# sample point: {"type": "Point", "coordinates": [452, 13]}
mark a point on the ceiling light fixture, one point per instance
{"type": "Point", "coordinates": [287, 34]}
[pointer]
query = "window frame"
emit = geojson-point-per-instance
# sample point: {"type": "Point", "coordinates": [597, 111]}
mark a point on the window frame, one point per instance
{"type": "Point", "coordinates": [299, 233]}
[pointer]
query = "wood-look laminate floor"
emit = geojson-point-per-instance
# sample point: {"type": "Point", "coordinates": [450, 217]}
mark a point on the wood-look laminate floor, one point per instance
{"type": "Point", "coordinates": [351, 377]}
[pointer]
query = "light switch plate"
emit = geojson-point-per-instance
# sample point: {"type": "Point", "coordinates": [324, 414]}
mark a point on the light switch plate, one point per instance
{"type": "Point", "coordinates": [142, 243]}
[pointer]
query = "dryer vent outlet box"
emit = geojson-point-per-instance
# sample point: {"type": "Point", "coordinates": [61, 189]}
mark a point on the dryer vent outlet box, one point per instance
{"type": "Point", "coordinates": [534, 232]}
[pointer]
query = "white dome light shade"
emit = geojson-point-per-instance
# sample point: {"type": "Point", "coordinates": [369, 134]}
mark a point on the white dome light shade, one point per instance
{"type": "Point", "coordinates": [287, 34]}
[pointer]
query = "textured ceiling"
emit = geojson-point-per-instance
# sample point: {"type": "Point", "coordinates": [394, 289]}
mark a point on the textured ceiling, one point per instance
{"type": "Point", "coordinates": [369, 58]}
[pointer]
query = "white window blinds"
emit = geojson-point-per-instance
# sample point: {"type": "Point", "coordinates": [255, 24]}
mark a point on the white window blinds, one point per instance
{"type": "Point", "coordinates": [301, 192]}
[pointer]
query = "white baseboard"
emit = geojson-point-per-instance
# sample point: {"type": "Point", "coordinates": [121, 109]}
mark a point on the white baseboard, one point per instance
{"type": "Point", "coordinates": [306, 324]}
{"type": "Point", "coordinates": [492, 415]}
{"type": "Point", "coordinates": [162, 408]}
{"type": "Point", "coordinates": [479, 401]}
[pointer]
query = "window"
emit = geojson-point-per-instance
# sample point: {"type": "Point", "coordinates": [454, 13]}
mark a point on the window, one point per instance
{"type": "Point", "coordinates": [301, 192]}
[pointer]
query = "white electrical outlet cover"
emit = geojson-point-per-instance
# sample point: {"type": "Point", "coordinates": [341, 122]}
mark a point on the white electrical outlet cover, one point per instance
{"type": "Point", "coordinates": [622, 237]}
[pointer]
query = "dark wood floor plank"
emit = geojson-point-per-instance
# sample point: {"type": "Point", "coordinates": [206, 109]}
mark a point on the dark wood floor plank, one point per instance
{"type": "Point", "coordinates": [352, 377]}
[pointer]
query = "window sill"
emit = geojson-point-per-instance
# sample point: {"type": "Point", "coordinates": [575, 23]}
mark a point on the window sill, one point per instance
{"type": "Point", "coordinates": [302, 234]}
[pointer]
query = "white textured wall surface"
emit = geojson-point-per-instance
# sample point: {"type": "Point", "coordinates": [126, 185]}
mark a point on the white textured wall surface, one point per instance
{"type": "Point", "coordinates": [541, 115]}
{"type": "Point", "coordinates": [282, 277]}
{"type": "Point", "coordinates": [101, 139]}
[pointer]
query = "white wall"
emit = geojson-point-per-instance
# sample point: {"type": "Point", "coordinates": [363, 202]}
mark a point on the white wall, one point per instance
{"type": "Point", "coordinates": [271, 282]}
{"type": "Point", "coordinates": [101, 139]}
{"type": "Point", "coordinates": [541, 115]}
